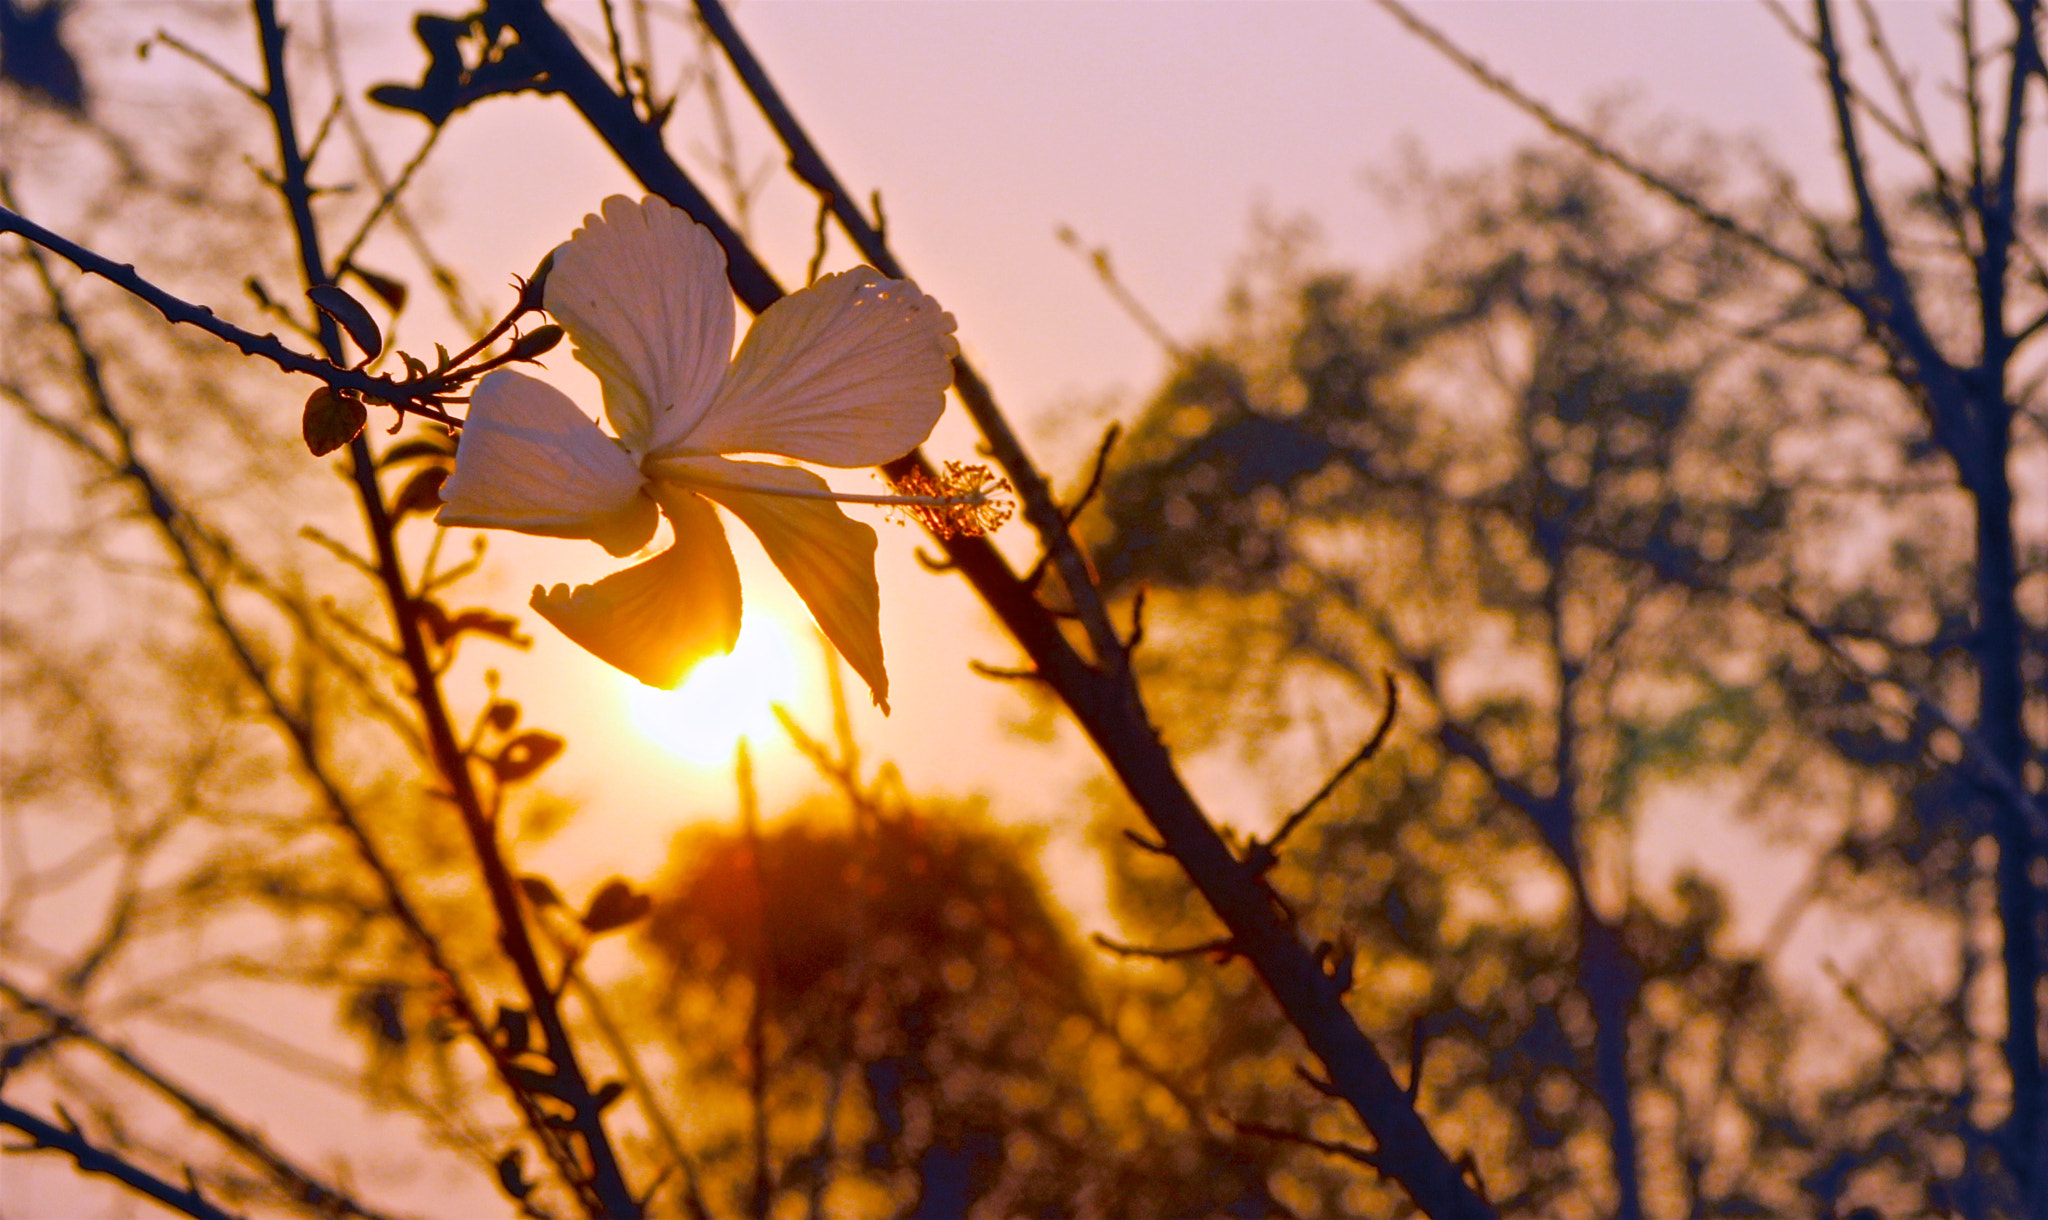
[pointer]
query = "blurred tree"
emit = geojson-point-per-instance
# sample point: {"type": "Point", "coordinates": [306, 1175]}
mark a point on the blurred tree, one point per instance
{"type": "Point", "coordinates": [1534, 476]}
{"type": "Point", "coordinates": [921, 1037]}
{"type": "Point", "coordinates": [1937, 289]}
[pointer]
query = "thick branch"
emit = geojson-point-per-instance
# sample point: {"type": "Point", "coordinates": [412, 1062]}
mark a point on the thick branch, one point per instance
{"type": "Point", "coordinates": [1103, 700]}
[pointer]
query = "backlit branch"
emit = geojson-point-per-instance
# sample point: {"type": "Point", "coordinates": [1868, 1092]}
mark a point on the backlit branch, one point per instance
{"type": "Point", "coordinates": [92, 1159]}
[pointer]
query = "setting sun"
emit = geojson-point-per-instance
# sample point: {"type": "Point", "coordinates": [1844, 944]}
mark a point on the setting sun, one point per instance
{"type": "Point", "coordinates": [726, 698]}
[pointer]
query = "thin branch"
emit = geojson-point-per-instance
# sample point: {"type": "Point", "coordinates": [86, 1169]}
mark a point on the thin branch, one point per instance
{"type": "Point", "coordinates": [412, 397]}
{"type": "Point", "coordinates": [1264, 854]}
{"type": "Point", "coordinates": [1223, 948]}
{"type": "Point", "coordinates": [1350, 1152]}
{"type": "Point", "coordinates": [298, 1183]}
{"type": "Point", "coordinates": [762, 1196]}
{"type": "Point", "coordinates": [1147, 321]}
{"type": "Point", "coordinates": [208, 62]}
{"type": "Point", "coordinates": [1976, 750]}
{"type": "Point", "coordinates": [1578, 137]}
{"type": "Point", "coordinates": [91, 1159]}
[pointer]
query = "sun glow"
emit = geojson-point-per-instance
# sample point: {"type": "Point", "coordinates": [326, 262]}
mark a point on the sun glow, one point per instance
{"type": "Point", "coordinates": [725, 698]}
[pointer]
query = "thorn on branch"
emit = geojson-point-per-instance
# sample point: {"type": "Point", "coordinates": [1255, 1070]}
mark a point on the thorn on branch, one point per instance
{"type": "Point", "coordinates": [1262, 856]}
{"type": "Point", "coordinates": [1221, 950]}
{"type": "Point", "coordinates": [1469, 1166]}
{"type": "Point", "coordinates": [1137, 632]}
{"type": "Point", "coordinates": [1338, 961]}
{"type": "Point", "coordinates": [1418, 1047]}
{"type": "Point", "coordinates": [934, 563]}
{"type": "Point", "coordinates": [1319, 1083]}
{"type": "Point", "coordinates": [1000, 674]}
{"type": "Point", "coordinates": [1152, 845]}
{"type": "Point", "coordinates": [1110, 436]}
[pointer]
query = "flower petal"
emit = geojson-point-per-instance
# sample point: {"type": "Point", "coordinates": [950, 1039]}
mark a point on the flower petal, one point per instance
{"type": "Point", "coordinates": [827, 557]}
{"type": "Point", "coordinates": [657, 619]}
{"type": "Point", "coordinates": [642, 292]}
{"type": "Point", "coordinates": [851, 371]}
{"type": "Point", "coordinates": [530, 461]}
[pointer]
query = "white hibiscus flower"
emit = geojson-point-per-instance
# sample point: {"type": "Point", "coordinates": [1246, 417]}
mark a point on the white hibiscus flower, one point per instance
{"type": "Point", "coordinates": [850, 371]}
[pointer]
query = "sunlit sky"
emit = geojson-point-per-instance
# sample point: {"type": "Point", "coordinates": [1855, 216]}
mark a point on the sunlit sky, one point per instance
{"type": "Point", "coordinates": [1156, 130]}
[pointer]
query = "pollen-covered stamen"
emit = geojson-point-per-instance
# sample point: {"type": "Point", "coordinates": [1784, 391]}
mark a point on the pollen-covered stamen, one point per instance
{"type": "Point", "coordinates": [966, 499]}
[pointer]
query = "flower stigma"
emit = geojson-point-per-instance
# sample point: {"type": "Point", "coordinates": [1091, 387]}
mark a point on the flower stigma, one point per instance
{"type": "Point", "coordinates": [964, 500]}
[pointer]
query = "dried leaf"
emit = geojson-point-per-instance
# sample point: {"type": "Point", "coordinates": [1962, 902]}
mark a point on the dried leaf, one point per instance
{"type": "Point", "coordinates": [484, 622]}
{"type": "Point", "coordinates": [386, 289]}
{"type": "Point", "coordinates": [525, 755]}
{"type": "Point", "coordinates": [331, 420]}
{"type": "Point", "coordinates": [614, 906]}
{"type": "Point", "coordinates": [352, 314]}
{"type": "Point", "coordinates": [540, 891]}
{"type": "Point", "coordinates": [421, 493]}
{"type": "Point", "coordinates": [433, 446]}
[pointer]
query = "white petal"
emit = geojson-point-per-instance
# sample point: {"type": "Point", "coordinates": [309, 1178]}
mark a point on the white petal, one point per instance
{"type": "Point", "coordinates": [642, 292]}
{"type": "Point", "coordinates": [851, 371]}
{"type": "Point", "coordinates": [530, 460]}
{"type": "Point", "coordinates": [657, 619]}
{"type": "Point", "coordinates": [827, 557]}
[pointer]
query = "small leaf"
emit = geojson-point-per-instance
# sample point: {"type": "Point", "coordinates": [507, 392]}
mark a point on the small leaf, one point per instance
{"type": "Point", "coordinates": [502, 715]}
{"type": "Point", "coordinates": [352, 314]}
{"type": "Point", "coordinates": [415, 368]}
{"type": "Point", "coordinates": [331, 420]}
{"type": "Point", "coordinates": [512, 1174]}
{"type": "Point", "coordinates": [540, 892]}
{"type": "Point", "coordinates": [525, 755]}
{"type": "Point", "coordinates": [431, 447]}
{"type": "Point", "coordinates": [421, 493]}
{"type": "Point", "coordinates": [386, 289]}
{"type": "Point", "coordinates": [441, 352]}
{"type": "Point", "coordinates": [608, 1093]}
{"type": "Point", "coordinates": [614, 906]}
{"type": "Point", "coordinates": [434, 619]}
{"type": "Point", "coordinates": [484, 622]}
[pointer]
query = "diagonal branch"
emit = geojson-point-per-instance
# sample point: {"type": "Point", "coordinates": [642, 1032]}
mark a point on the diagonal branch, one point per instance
{"type": "Point", "coordinates": [1103, 699]}
{"type": "Point", "coordinates": [415, 398]}
{"type": "Point", "coordinates": [93, 1159]}
{"type": "Point", "coordinates": [1040, 506]}
{"type": "Point", "coordinates": [300, 1184]}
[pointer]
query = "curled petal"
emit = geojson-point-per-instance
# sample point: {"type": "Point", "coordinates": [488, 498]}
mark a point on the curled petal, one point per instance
{"type": "Point", "coordinates": [851, 371]}
{"type": "Point", "coordinates": [530, 461]}
{"type": "Point", "coordinates": [641, 290]}
{"type": "Point", "coordinates": [827, 557]}
{"type": "Point", "coordinates": [657, 619]}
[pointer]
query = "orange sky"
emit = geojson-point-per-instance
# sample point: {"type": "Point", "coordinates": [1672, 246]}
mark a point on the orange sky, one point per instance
{"type": "Point", "coordinates": [1156, 129]}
